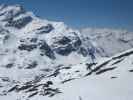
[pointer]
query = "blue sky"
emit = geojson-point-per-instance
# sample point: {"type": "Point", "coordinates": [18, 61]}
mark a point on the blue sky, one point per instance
{"type": "Point", "coordinates": [82, 13]}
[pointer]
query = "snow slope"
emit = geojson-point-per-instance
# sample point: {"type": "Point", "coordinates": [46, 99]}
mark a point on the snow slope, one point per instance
{"type": "Point", "coordinates": [109, 79]}
{"type": "Point", "coordinates": [113, 84]}
{"type": "Point", "coordinates": [104, 83]}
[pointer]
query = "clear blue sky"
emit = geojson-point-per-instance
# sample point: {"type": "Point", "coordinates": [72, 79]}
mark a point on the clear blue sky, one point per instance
{"type": "Point", "coordinates": [82, 13]}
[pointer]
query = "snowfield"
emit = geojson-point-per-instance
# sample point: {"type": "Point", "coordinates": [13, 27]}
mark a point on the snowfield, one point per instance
{"type": "Point", "coordinates": [115, 84]}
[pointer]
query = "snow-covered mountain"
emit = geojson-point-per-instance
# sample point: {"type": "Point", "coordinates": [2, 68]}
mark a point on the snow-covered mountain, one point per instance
{"type": "Point", "coordinates": [41, 59]}
{"type": "Point", "coordinates": [26, 36]}
{"type": "Point", "coordinates": [110, 41]}
{"type": "Point", "coordinates": [32, 48]}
